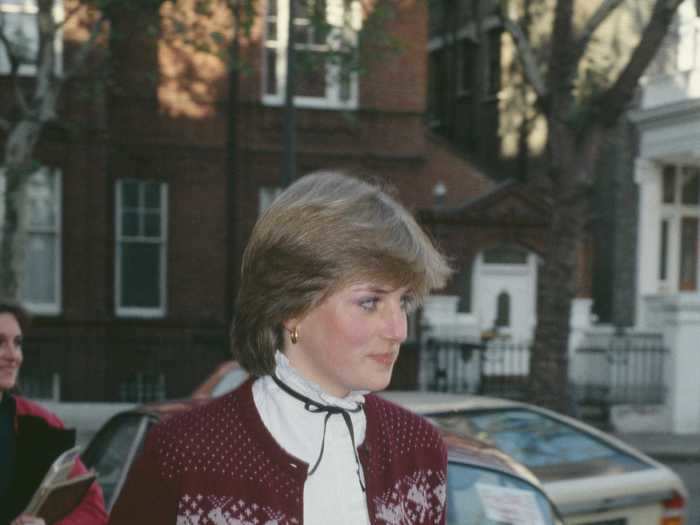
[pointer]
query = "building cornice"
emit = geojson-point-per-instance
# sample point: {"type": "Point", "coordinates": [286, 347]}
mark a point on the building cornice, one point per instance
{"type": "Point", "coordinates": [667, 114]}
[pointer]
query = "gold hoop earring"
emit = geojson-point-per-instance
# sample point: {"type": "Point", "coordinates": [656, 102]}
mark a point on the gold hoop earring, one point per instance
{"type": "Point", "coordinates": [294, 335]}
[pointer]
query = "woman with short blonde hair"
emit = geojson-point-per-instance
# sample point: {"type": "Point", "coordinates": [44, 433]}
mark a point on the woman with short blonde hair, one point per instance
{"type": "Point", "coordinates": [328, 276]}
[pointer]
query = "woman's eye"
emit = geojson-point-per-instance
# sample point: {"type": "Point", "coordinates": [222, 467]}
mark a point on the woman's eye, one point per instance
{"type": "Point", "coordinates": [370, 303]}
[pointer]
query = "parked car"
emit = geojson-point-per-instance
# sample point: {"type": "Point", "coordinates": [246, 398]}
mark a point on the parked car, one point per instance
{"type": "Point", "coordinates": [227, 376]}
{"type": "Point", "coordinates": [484, 485]}
{"type": "Point", "coordinates": [592, 477]}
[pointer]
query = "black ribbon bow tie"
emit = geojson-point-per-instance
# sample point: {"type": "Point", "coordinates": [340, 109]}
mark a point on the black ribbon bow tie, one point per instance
{"type": "Point", "coordinates": [330, 410]}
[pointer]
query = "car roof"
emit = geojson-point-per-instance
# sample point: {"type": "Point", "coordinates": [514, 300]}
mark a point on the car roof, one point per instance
{"type": "Point", "coordinates": [434, 402]}
{"type": "Point", "coordinates": [460, 448]}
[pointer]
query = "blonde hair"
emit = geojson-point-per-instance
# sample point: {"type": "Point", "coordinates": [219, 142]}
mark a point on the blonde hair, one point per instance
{"type": "Point", "coordinates": [325, 231]}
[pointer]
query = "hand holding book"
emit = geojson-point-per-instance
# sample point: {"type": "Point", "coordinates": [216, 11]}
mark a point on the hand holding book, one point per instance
{"type": "Point", "coordinates": [57, 494]}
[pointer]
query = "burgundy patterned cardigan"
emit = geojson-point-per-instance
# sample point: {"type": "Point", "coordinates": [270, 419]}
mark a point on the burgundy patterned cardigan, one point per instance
{"type": "Point", "coordinates": [217, 464]}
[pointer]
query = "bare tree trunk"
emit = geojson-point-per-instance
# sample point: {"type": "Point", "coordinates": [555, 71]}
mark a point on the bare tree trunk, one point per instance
{"type": "Point", "coordinates": [556, 289]}
{"type": "Point", "coordinates": [17, 167]}
{"type": "Point", "coordinates": [572, 159]}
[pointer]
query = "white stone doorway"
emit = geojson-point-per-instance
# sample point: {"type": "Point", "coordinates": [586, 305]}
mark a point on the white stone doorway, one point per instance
{"type": "Point", "coordinates": [504, 292]}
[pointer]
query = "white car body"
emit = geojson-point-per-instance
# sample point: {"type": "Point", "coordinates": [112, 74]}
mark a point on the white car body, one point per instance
{"type": "Point", "coordinates": [615, 498]}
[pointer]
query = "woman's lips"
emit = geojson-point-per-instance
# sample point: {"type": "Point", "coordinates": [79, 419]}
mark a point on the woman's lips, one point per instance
{"type": "Point", "coordinates": [384, 359]}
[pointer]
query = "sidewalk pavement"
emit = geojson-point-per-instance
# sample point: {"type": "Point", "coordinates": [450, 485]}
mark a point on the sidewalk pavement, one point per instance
{"type": "Point", "coordinates": [669, 447]}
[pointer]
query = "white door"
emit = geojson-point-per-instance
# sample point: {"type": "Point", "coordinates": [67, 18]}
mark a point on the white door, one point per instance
{"type": "Point", "coordinates": [504, 292]}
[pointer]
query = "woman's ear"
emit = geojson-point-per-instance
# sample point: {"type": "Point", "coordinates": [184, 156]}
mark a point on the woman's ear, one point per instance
{"type": "Point", "coordinates": [290, 324]}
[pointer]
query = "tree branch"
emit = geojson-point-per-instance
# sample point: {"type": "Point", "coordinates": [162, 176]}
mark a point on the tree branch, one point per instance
{"type": "Point", "coordinates": [601, 14]}
{"type": "Point", "coordinates": [14, 69]}
{"type": "Point", "coordinates": [527, 56]}
{"type": "Point", "coordinates": [612, 102]}
{"type": "Point", "coordinates": [560, 65]}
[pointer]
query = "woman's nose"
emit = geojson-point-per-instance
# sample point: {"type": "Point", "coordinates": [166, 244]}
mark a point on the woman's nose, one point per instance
{"type": "Point", "coordinates": [10, 351]}
{"type": "Point", "coordinates": [397, 324]}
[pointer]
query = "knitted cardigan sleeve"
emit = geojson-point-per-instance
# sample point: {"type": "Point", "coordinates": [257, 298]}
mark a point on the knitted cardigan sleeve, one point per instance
{"type": "Point", "coordinates": [148, 497]}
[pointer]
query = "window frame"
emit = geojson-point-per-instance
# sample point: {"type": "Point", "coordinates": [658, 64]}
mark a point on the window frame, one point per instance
{"type": "Point", "coordinates": [29, 7]}
{"type": "Point", "coordinates": [139, 311]}
{"type": "Point", "coordinates": [333, 98]}
{"type": "Point", "coordinates": [674, 212]}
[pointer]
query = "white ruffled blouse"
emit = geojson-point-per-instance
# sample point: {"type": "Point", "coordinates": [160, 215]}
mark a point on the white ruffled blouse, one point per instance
{"type": "Point", "coordinates": [333, 491]}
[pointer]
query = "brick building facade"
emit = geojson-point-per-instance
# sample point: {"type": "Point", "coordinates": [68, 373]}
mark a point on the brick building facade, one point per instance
{"type": "Point", "coordinates": [152, 207]}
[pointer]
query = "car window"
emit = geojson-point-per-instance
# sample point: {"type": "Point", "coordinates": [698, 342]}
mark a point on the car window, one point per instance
{"type": "Point", "coordinates": [550, 448]}
{"type": "Point", "coordinates": [112, 450]}
{"type": "Point", "coordinates": [479, 496]}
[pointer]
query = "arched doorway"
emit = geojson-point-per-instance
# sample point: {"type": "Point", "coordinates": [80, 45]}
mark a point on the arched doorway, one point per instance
{"type": "Point", "coordinates": [504, 291]}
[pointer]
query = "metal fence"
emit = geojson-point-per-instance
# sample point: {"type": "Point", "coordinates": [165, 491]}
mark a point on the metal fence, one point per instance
{"type": "Point", "coordinates": [497, 368]}
{"type": "Point", "coordinates": [608, 369]}
{"type": "Point", "coordinates": [621, 368]}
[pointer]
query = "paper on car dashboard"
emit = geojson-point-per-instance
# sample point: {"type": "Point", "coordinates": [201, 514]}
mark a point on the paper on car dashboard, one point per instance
{"type": "Point", "coordinates": [509, 505]}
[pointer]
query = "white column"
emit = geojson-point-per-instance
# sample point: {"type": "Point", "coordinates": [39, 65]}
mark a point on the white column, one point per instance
{"type": "Point", "coordinates": [678, 318]}
{"type": "Point", "coordinates": [648, 180]}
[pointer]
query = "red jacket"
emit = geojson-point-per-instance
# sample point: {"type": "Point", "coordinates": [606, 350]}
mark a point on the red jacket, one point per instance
{"type": "Point", "coordinates": [217, 464]}
{"type": "Point", "coordinates": [30, 419]}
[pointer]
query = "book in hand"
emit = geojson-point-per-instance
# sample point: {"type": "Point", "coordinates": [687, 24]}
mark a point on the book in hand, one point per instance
{"type": "Point", "coordinates": [58, 494]}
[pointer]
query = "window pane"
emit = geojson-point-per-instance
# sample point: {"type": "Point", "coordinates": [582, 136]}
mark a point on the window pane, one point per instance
{"type": "Point", "coordinates": [503, 309]}
{"type": "Point", "coordinates": [152, 195]}
{"type": "Point", "coordinates": [302, 33]}
{"type": "Point", "coordinates": [471, 488]}
{"type": "Point", "coordinates": [663, 251]}
{"type": "Point", "coordinates": [319, 33]}
{"type": "Point", "coordinates": [41, 200]}
{"type": "Point", "coordinates": [151, 223]}
{"type": "Point", "coordinates": [669, 184]}
{"type": "Point", "coordinates": [271, 70]}
{"type": "Point", "coordinates": [505, 255]}
{"type": "Point", "coordinates": [271, 34]}
{"type": "Point", "coordinates": [271, 7]}
{"type": "Point", "coordinates": [130, 194]}
{"type": "Point", "coordinates": [691, 185]}
{"type": "Point", "coordinates": [130, 223]}
{"type": "Point", "coordinates": [466, 66]}
{"type": "Point", "coordinates": [311, 74]}
{"type": "Point", "coordinates": [345, 84]}
{"type": "Point", "coordinates": [140, 279]}
{"type": "Point", "coordinates": [689, 254]}
{"type": "Point", "coordinates": [302, 8]}
{"type": "Point", "coordinates": [38, 279]}
{"type": "Point", "coordinates": [108, 452]}
{"type": "Point", "coordinates": [494, 71]}
{"type": "Point", "coordinates": [552, 449]}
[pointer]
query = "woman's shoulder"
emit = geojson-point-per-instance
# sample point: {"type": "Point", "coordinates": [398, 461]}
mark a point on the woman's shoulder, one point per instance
{"type": "Point", "coordinates": [401, 423]}
{"type": "Point", "coordinates": [211, 417]}
{"type": "Point", "coordinates": [26, 407]}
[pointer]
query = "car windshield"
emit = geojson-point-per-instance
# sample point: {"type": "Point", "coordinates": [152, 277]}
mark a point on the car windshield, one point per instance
{"type": "Point", "coordinates": [552, 449]}
{"type": "Point", "coordinates": [479, 496]}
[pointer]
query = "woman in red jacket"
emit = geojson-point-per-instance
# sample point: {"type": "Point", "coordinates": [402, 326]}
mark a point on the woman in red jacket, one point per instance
{"type": "Point", "coordinates": [31, 438]}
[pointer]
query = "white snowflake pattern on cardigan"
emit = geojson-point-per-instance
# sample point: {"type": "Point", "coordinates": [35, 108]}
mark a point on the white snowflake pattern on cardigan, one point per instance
{"type": "Point", "coordinates": [415, 499]}
{"type": "Point", "coordinates": [213, 510]}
